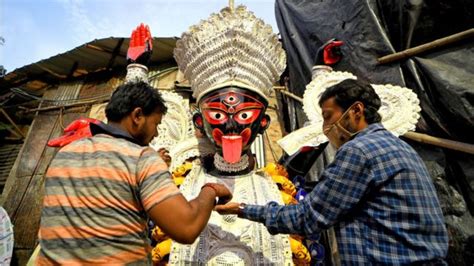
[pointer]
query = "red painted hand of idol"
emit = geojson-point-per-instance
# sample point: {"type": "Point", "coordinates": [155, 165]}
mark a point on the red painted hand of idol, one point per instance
{"type": "Point", "coordinates": [78, 129]}
{"type": "Point", "coordinates": [141, 45]}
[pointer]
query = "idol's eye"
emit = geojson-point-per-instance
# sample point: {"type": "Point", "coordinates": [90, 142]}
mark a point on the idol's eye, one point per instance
{"type": "Point", "coordinates": [247, 116]}
{"type": "Point", "coordinates": [215, 117]}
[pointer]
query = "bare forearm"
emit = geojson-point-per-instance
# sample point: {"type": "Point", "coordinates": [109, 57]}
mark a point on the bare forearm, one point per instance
{"type": "Point", "coordinates": [183, 221]}
{"type": "Point", "coordinates": [201, 208]}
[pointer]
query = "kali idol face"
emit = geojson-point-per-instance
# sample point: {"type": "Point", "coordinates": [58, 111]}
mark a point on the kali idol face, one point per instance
{"type": "Point", "coordinates": [232, 118]}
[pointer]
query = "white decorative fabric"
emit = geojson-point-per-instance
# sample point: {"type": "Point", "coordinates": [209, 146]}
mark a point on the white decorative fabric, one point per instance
{"type": "Point", "coordinates": [6, 238]}
{"type": "Point", "coordinates": [227, 239]}
{"type": "Point", "coordinates": [176, 131]}
{"type": "Point", "coordinates": [190, 148]}
{"type": "Point", "coordinates": [230, 48]}
{"type": "Point", "coordinates": [136, 73]}
{"type": "Point", "coordinates": [314, 90]}
{"type": "Point", "coordinates": [400, 110]}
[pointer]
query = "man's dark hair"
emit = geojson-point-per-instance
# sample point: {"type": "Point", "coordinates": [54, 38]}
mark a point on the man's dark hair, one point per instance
{"type": "Point", "coordinates": [349, 91]}
{"type": "Point", "coordinates": [131, 95]}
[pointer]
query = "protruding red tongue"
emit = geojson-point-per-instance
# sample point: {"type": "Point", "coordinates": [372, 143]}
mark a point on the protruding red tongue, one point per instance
{"type": "Point", "coordinates": [231, 148]}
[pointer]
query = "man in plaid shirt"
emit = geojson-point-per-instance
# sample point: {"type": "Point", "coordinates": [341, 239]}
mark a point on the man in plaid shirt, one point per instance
{"type": "Point", "coordinates": [377, 193]}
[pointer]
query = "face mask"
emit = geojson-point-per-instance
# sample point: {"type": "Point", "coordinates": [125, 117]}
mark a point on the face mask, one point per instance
{"type": "Point", "coordinates": [337, 134]}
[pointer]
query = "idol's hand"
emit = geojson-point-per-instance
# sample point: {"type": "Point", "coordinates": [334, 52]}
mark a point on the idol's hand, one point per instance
{"type": "Point", "coordinates": [78, 129]}
{"type": "Point", "coordinates": [165, 155]}
{"type": "Point", "coordinates": [229, 208]}
{"type": "Point", "coordinates": [329, 53]}
{"type": "Point", "coordinates": [141, 46]}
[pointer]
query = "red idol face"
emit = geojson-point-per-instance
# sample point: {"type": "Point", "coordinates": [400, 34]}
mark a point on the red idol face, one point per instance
{"type": "Point", "coordinates": [232, 119]}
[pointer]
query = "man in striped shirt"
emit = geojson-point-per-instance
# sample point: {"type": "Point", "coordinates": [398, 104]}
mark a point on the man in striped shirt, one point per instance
{"type": "Point", "coordinates": [99, 191]}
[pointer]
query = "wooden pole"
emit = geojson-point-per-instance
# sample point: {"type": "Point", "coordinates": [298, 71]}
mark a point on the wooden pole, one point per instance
{"type": "Point", "coordinates": [12, 122]}
{"type": "Point", "coordinates": [49, 108]}
{"type": "Point", "coordinates": [83, 103]}
{"type": "Point", "coordinates": [419, 137]}
{"type": "Point", "coordinates": [291, 95]}
{"type": "Point", "coordinates": [425, 47]}
{"type": "Point", "coordinates": [440, 142]}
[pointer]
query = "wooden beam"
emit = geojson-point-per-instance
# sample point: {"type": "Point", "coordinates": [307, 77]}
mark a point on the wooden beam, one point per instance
{"type": "Point", "coordinates": [73, 69]}
{"type": "Point", "coordinates": [97, 48]}
{"type": "Point", "coordinates": [419, 137]}
{"type": "Point", "coordinates": [291, 95]}
{"type": "Point", "coordinates": [115, 52]}
{"type": "Point", "coordinates": [51, 72]}
{"type": "Point", "coordinates": [426, 47]}
{"type": "Point", "coordinates": [12, 122]}
{"type": "Point", "coordinates": [440, 142]}
{"type": "Point", "coordinates": [50, 108]}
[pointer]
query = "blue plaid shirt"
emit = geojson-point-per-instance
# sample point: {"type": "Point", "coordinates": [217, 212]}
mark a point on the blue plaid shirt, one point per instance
{"type": "Point", "coordinates": [378, 196]}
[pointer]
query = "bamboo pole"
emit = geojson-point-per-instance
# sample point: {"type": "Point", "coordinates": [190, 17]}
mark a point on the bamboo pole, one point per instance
{"type": "Point", "coordinates": [12, 122]}
{"type": "Point", "coordinates": [425, 47]}
{"type": "Point", "coordinates": [419, 137]}
{"type": "Point", "coordinates": [51, 72]}
{"type": "Point", "coordinates": [291, 95]}
{"type": "Point", "coordinates": [49, 108]}
{"type": "Point", "coordinates": [440, 142]}
{"type": "Point", "coordinates": [82, 103]}
{"type": "Point", "coordinates": [97, 48]}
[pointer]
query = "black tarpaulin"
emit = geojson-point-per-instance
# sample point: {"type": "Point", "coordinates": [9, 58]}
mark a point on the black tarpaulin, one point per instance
{"type": "Point", "coordinates": [442, 78]}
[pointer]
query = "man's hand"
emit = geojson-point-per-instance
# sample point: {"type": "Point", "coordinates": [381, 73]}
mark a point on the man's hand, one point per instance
{"type": "Point", "coordinates": [78, 129]}
{"type": "Point", "coordinates": [229, 208]}
{"type": "Point", "coordinates": [141, 46]}
{"type": "Point", "coordinates": [221, 191]}
{"type": "Point", "coordinates": [329, 53]}
{"type": "Point", "coordinates": [183, 221]}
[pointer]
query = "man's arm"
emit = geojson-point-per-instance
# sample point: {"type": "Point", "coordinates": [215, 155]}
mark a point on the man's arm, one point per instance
{"type": "Point", "coordinates": [183, 221]}
{"type": "Point", "coordinates": [343, 184]}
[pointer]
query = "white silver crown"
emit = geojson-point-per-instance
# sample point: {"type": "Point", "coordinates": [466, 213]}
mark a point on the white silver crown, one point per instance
{"type": "Point", "coordinates": [230, 48]}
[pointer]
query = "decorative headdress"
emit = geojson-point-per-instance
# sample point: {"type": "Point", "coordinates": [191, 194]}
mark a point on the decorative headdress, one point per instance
{"type": "Point", "coordinates": [230, 48]}
{"type": "Point", "coordinates": [400, 110]}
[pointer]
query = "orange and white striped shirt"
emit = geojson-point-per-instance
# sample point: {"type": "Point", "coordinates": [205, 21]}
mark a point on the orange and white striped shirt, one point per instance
{"type": "Point", "coordinates": [97, 193]}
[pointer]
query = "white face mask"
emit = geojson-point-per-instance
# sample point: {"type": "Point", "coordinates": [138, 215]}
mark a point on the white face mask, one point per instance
{"type": "Point", "coordinates": [336, 133]}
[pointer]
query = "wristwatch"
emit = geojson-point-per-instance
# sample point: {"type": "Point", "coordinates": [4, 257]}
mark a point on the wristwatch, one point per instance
{"type": "Point", "coordinates": [240, 211]}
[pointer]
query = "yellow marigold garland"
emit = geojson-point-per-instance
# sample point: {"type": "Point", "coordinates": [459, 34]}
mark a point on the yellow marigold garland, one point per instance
{"type": "Point", "coordinates": [164, 242]}
{"type": "Point", "coordinates": [301, 255]}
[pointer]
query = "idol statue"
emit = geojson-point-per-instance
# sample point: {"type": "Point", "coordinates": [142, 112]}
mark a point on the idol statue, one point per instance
{"type": "Point", "coordinates": [232, 60]}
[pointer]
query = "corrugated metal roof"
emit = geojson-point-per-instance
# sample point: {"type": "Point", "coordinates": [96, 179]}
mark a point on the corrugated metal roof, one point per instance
{"type": "Point", "coordinates": [90, 57]}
